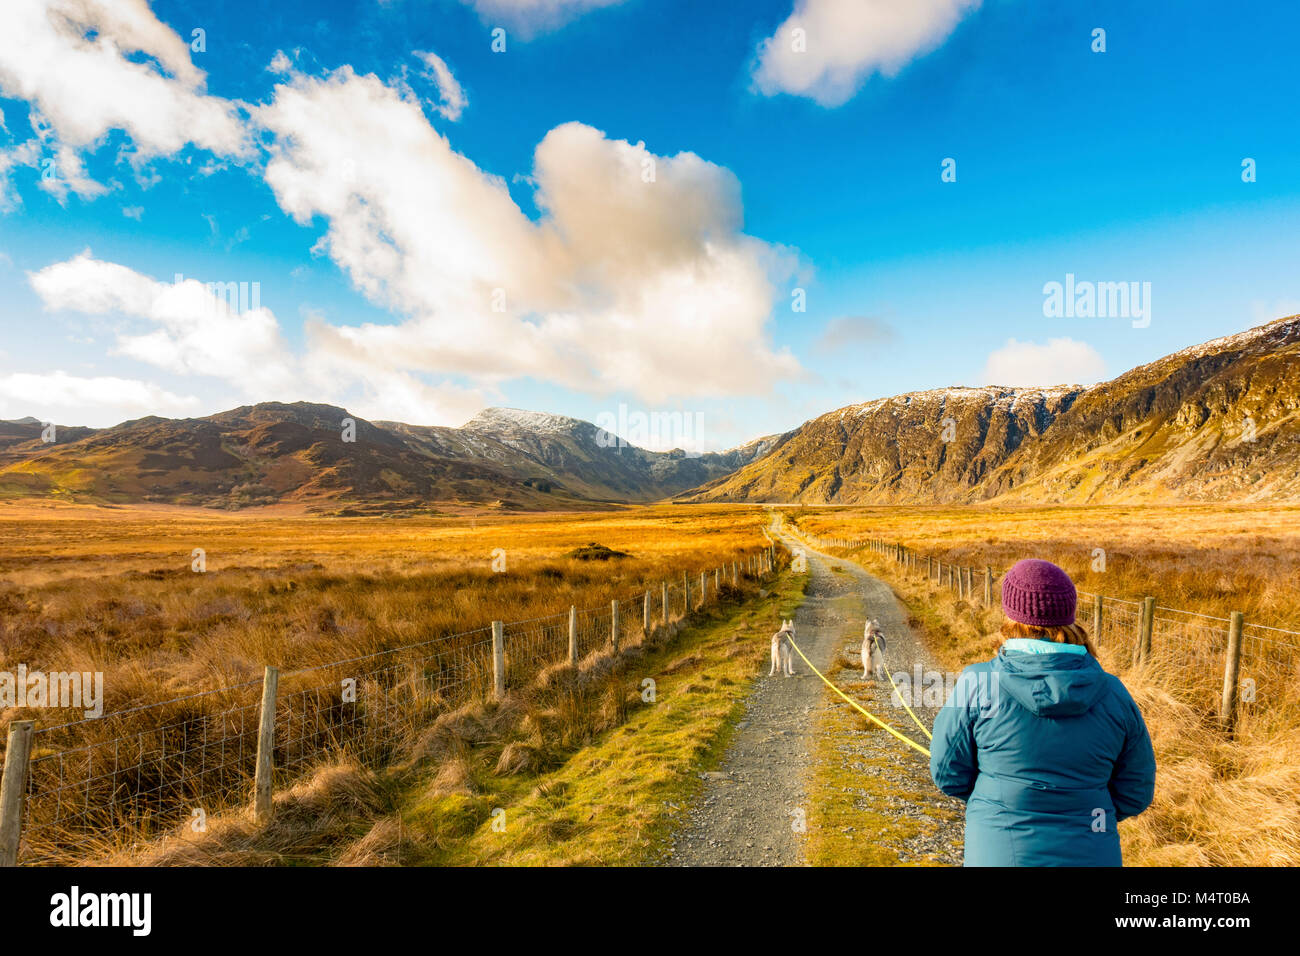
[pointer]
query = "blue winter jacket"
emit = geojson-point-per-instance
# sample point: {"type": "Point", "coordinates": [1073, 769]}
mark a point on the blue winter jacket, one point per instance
{"type": "Point", "coordinates": [1048, 751]}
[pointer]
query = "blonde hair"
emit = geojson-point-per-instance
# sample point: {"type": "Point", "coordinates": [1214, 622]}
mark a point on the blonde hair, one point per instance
{"type": "Point", "coordinates": [1062, 634]}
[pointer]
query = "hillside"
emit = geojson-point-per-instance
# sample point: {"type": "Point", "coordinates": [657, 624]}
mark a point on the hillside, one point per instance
{"type": "Point", "coordinates": [1179, 428]}
{"type": "Point", "coordinates": [275, 453]}
{"type": "Point", "coordinates": [1216, 422]}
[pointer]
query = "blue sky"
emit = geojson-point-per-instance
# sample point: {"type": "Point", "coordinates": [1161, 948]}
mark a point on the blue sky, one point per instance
{"type": "Point", "coordinates": [434, 227]}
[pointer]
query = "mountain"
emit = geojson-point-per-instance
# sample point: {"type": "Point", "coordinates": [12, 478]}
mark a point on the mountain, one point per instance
{"type": "Point", "coordinates": [28, 433]}
{"type": "Point", "coordinates": [275, 453]}
{"type": "Point", "coordinates": [1216, 422]}
{"type": "Point", "coordinates": [585, 460]}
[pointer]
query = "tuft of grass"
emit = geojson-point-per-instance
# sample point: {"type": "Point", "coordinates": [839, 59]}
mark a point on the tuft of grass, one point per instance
{"type": "Point", "coordinates": [595, 552]}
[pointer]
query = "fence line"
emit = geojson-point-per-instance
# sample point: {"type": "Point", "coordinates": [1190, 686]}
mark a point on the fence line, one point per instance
{"type": "Point", "coordinates": [1218, 665]}
{"type": "Point", "coordinates": [192, 756]}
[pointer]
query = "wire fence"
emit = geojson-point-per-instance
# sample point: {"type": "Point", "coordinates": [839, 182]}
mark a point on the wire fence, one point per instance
{"type": "Point", "coordinates": [1201, 661]}
{"type": "Point", "coordinates": [114, 782]}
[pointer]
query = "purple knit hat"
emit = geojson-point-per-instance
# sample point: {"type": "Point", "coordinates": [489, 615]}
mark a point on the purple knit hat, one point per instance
{"type": "Point", "coordinates": [1038, 593]}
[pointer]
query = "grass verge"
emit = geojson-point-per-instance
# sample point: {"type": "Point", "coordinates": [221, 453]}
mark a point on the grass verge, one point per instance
{"type": "Point", "coordinates": [617, 800]}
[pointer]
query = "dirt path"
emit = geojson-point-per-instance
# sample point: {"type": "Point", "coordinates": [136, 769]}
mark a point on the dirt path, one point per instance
{"type": "Point", "coordinates": [747, 813]}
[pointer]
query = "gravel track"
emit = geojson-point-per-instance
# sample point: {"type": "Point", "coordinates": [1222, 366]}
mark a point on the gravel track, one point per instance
{"type": "Point", "coordinates": [746, 813]}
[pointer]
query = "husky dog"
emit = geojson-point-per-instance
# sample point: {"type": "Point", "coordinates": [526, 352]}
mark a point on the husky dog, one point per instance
{"type": "Point", "coordinates": [873, 650]}
{"type": "Point", "coordinates": [781, 657]}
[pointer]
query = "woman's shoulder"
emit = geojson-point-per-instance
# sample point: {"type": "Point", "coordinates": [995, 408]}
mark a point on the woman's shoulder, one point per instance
{"type": "Point", "coordinates": [1116, 686]}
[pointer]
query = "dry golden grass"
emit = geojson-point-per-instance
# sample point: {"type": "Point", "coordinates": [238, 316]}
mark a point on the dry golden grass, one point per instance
{"type": "Point", "coordinates": [1220, 800]}
{"type": "Point", "coordinates": [1208, 558]}
{"type": "Point", "coordinates": [112, 591]}
{"type": "Point", "coordinates": [586, 770]}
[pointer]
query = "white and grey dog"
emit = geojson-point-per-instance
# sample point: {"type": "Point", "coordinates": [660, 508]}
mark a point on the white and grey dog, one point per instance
{"type": "Point", "coordinates": [873, 650]}
{"type": "Point", "coordinates": [782, 657]}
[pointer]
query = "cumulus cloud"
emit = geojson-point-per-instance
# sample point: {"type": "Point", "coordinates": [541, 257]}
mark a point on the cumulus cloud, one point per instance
{"type": "Point", "coordinates": [452, 97]}
{"type": "Point", "coordinates": [90, 66]}
{"type": "Point", "coordinates": [529, 17]}
{"type": "Point", "coordinates": [192, 327]}
{"type": "Point", "coordinates": [54, 395]}
{"type": "Point", "coordinates": [827, 49]}
{"type": "Point", "coordinates": [219, 331]}
{"type": "Point", "coordinates": [1059, 362]}
{"type": "Point", "coordinates": [636, 277]}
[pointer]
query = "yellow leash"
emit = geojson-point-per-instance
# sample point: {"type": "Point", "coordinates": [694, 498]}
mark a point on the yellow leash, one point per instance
{"type": "Point", "coordinates": [915, 719]}
{"type": "Point", "coordinates": [856, 706]}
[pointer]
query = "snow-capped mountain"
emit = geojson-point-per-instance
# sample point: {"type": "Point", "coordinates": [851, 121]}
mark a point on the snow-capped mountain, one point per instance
{"type": "Point", "coordinates": [1215, 422]}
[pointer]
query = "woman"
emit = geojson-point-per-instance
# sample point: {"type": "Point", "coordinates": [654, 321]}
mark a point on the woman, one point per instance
{"type": "Point", "coordinates": [1046, 748]}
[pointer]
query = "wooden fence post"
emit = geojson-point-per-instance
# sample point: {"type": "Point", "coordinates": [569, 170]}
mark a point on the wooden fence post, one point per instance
{"type": "Point", "coordinates": [613, 624]}
{"type": "Point", "coordinates": [573, 634]}
{"type": "Point", "coordinates": [498, 659]}
{"type": "Point", "coordinates": [13, 789]}
{"type": "Point", "coordinates": [645, 616]}
{"type": "Point", "coordinates": [263, 784]}
{"type": "Point", "coordinates": [1147, 626]}
{"type": "Point", "coordinates": [1098, 616]}
{"type": "Point", "coordinates": [686, 594]}
{"type": "Point", "coordinates": [988, 586]}
{"type": "Point", "coordinates": [1230, 670]}
{"type": "Point", "coordinates": [665, 590]}
{"type": "Point", "coordinates": [704, 589]}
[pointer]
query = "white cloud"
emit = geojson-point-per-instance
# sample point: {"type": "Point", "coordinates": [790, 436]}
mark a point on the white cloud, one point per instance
{"type": "Point", "coordinates": [69, 60]}
{"type": "Point", "coordinates": [529, 17]}
{"type": "Point", "coordinates": [1059, 362]}
{"type": "Point", "coordinates": [54, 396]}
{"type": "Point", "coordinates": [845, 41]}
{"type": "Point", "coordinates": [452, 96]}
{"type": "Point", "coordinates": [24, 154]}
{"type": "Point", "coordinates": [204, 331]}
{"type": "Point", "coordinates": [630, 281]}
{"type": "Point", "coordinates": [194, 329]}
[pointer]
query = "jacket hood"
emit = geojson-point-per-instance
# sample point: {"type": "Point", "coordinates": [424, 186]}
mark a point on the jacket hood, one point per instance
{"type": "Point", "coordinates": [1053, 684]}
